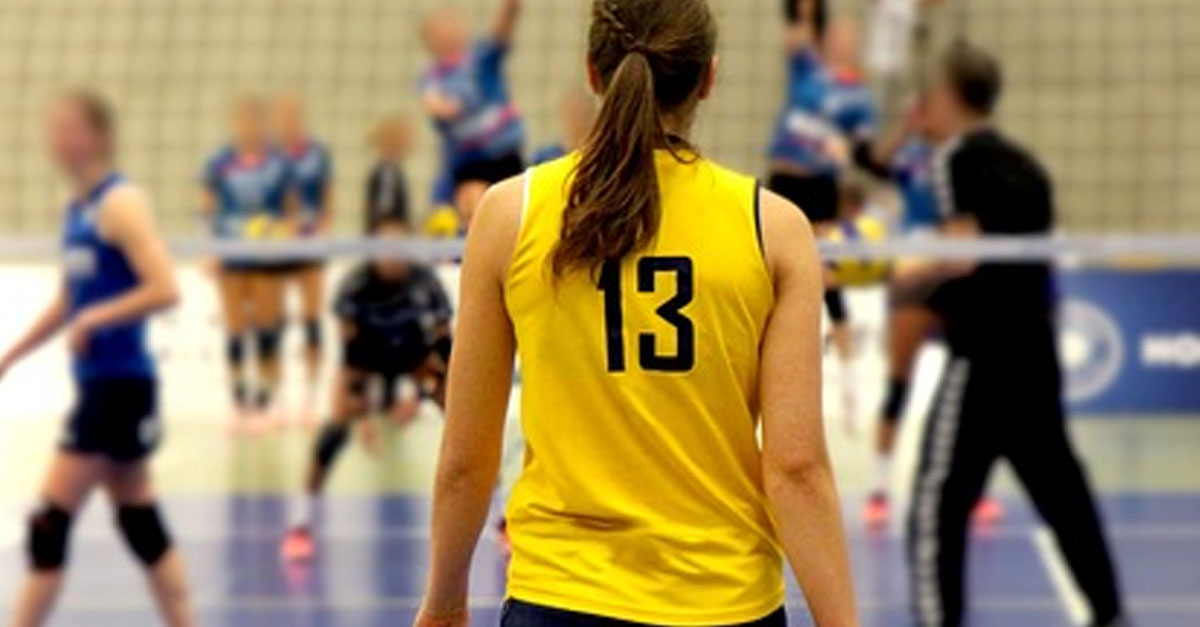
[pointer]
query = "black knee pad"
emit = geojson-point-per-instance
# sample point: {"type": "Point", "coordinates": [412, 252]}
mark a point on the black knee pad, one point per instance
{"type": "Point", "coordinates": [313, 338]}
{"type": "Point", "coordinates": [835, 303]}
{"type": "Point", "coordinates": [267, 343]}
{"type": "Point", "coordinates": [333, 437]}
{"type": "Point", "coordinates": [144, 532]}
{"type": "Point", "coordinates": [893, 404]}
{"type": "Point", "coordinates": [235, 350]}
{"type": "Point", "coordinates": [49, 529]}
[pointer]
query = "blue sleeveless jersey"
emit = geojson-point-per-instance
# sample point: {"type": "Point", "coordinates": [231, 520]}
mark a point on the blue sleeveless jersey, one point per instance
{"type": "Point", "coordinates": [912, 169]}
{"type": "Point", "coordinates": [94, 272]}
{"type": "Point", "coordinates": [312, 171]}
{"type": "Point", "coordinates": [820, 105]}
{"type": "Point", "coordinates": [246, 190]}
{"type": "Point", "coordinates": [489, 126]}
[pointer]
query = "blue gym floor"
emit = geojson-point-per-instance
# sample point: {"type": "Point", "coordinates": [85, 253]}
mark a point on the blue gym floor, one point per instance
{"type": "Point", "coordinates": [373, 557]}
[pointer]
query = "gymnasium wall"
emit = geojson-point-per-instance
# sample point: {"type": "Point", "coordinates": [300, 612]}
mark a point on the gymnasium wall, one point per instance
{"type": "Point", "coordinates": [1097, 86]}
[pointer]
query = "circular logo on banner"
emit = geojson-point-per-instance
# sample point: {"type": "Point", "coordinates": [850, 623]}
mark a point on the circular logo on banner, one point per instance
{"type": "Point", "coordinates": [1092, 350]}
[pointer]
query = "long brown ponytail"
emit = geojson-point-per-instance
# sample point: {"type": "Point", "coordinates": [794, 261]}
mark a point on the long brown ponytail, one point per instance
{"type": "Point", "coordinates": [652, 58]}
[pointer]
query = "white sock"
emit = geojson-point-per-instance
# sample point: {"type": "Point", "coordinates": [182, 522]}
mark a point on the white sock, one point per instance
{"type": "Point", "coordinates": [301, 511]}
{"type": "Point", "coordinates": [882, 478]}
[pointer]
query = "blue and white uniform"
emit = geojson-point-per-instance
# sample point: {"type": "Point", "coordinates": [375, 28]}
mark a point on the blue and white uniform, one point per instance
{"type": "Point", "coordinates": [116, 413]}
{"type": "Point", "coordinates": [245, 190]}
{"type": "Point", "coordinates": [821, 105]}
{"type": "Point", "coordinates": [312, 174]}
{"type": "Point", "coordinates": [489, 128]}
{"type": "Point", "coordinates": [912, 170]}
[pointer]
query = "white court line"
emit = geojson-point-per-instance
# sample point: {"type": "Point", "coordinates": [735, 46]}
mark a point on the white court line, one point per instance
{"type": "Point", "coordinates": [1072, 599]}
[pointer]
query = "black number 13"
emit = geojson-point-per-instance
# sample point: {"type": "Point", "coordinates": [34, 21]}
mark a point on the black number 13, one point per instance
{"type": "Point", "coordinates": [648, 269]}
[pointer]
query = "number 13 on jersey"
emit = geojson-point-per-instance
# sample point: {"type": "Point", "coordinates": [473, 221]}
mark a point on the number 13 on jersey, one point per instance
{"type": "Point", "coordinates": [671, 311]}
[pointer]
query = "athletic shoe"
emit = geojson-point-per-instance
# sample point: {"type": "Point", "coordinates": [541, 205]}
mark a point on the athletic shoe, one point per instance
{"type": "Point", "coordinates": [878, 510]}
{"type": "Point", "coordinates": [297, 545]}
{"type": "Point", "coordinates": [988, 511]}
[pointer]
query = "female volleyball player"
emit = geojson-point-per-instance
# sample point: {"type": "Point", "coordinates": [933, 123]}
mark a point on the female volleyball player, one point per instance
{"type": "Point", "coordinates": [828, 108]}
{"type": "Point", "coordinates": [247, 196]}
{"type": "Point", "coordinates": [312, 180]}
{"type": "Point", "coordinates": [466, 94]}
{"type": "Point", "coordinates": [395, 321]}
{"type": "Point", "coordinates": [116, 273]}
{"type": "Point", "coordinates": [656, 322]}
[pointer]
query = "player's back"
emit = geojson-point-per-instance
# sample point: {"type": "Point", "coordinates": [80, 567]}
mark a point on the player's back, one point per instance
{"type": "Point", "coordinates": [641, 494]}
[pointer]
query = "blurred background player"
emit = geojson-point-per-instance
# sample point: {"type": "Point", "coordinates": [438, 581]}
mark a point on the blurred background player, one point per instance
{"type": "Point", "coordinates": [116, 273]}
{"type": "Point", "coordinates": [645, 496]}
{"type": "Point", "coordinates": [828, 107]}
{"type": "Point", "coordinates": [1001, 395]}
{"type": "Point", "coordinates": [466, 93]}
{"type": "Point", "coordinates": [576, 113]}
{"type": "Point", "coordinates": [312, 181]}
{"type": "Point", "coordinates": [248, 195]}
{"type": "Point", "coordinates": [387, 194]}
{"type": "Point", "coordinates": [395, 322]}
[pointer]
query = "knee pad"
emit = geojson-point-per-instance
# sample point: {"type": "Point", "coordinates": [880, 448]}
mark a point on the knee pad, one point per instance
{"type": "Point", "coordinates": [312, 334]}
{"type": "Point", "coordinates": [893, 404]}
{"type": "Point", "coordinates": [144, 532]}
{"type": "Point", "coordinates": [835, 304]}
{"type": "Point", "coordinates": [49, 529]}
{"type": "Point", "coordinates": [267, 343]}
{"type": "Point", "coordinates": [442, 347]}
{"type": "Point", "coordinates": [333, 437]}
{"type": "Point", "coordinates": [235, 350]}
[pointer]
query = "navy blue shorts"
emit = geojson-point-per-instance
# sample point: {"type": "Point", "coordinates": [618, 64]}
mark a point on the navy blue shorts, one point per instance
{"type": "Point", "coordinates": [116, 418]}
{"type": "Point", "coordinates": [521, 614]}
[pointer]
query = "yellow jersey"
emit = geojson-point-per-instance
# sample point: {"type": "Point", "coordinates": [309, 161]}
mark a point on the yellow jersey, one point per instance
{"type": "Point", "coordinates": [641, 496]}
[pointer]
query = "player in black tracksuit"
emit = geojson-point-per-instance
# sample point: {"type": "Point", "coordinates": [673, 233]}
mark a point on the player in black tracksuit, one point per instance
{"type": "Point", "coordinates": [1000, 396]}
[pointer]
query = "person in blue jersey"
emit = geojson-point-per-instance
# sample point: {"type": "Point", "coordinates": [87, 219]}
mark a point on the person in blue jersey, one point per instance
{"type": "Point", "coordinates": [116, 273]}
{"type": "Point", "coordinates": [576, 113]}
{"type": "Point", "coordinates": [466, 94]}
{"type": "Point", "coordinates": [312, 180]}
{"type": "Point", "coordinates": [248, 196]}
{"type": "Point", "coordinates": [828, 108]}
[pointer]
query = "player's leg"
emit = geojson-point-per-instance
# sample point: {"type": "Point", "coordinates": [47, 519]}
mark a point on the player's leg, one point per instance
{"type": "Point", "coordinates": [65, 488]}
{"type": "Point", "coordinates": [268, 324]}
{"type": "Point", "coordinates": [1048, 468]}
{"type": "Point", "coordinates": [956, 457]}
{"type": "Point", "coordinates": [236, 295]}
{"type": "Point", "coordinates": [131, 491]}
{"type": "Point", "coordinates": [349, 404]}
{"type": "Point", "coordinates": [908, 326]}
{"type": "Point", "coordinates": [312, 299]}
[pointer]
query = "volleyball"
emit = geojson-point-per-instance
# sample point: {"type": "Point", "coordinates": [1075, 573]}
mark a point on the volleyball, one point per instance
{"type": "Point", "coordinates": [859, 272]}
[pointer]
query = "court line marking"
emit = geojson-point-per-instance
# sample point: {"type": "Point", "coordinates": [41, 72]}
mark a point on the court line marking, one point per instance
{"type": "Point", "coordinates": [1073, 601]}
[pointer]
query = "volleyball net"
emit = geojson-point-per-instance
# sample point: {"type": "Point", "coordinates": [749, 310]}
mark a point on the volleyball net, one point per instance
{"type": "Point", "coordinates": [1099, 89]}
